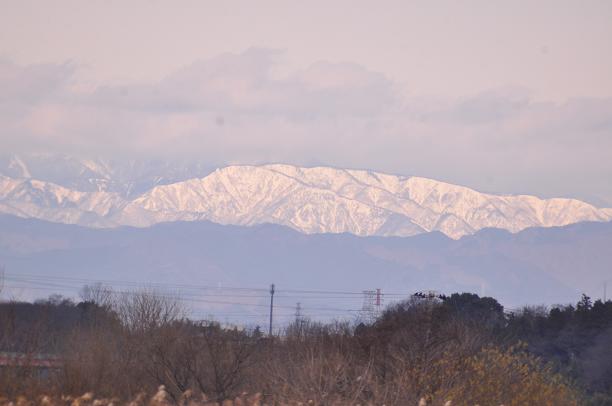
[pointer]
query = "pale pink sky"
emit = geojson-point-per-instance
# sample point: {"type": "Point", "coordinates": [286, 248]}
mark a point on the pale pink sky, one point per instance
{"type": "Point", "coordinates": [505, 96]}
{"type": "Point", "coordinates": [558, 49]}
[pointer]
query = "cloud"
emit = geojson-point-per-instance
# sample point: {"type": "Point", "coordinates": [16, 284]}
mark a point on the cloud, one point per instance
{"type": "Point", "coordinates": [238, 108]}
{"type": "Point", "coordinates": [245, 84]}
{"type": "Point", "coordinates": [32, 84]}
{"type": "Point", "coordinates": [493, 106]}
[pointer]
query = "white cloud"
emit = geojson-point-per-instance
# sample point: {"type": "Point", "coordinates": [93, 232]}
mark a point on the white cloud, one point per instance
{"type": "Point", "coordinates": [244, 84]}
{"type": "Point", "coordinates": [32, 84]}
{"type": "Point", "coordinates": [236, 108]}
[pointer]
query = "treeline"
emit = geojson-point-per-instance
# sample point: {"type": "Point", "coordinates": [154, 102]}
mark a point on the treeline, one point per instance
{"type": "Point", "coordinates": [461, 349]}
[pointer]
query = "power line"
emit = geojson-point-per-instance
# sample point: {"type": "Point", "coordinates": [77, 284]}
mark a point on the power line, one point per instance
{"type": "Point", "coordinates": [179, 297]}
{"type": "Point", "coordinates": [136, 283]}
{"type": "Point", "coordinates": [194, 286]}
{"type": "Point", "coordinates": [305, 297]}
{"type": "Point", "coordinates": [183, 292]}
{"type": "Point", "coordinates": [207, 294]}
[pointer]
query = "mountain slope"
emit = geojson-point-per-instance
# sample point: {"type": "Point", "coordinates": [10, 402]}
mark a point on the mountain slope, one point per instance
{"type": "Point", "coordinates": [128, 178]}
{"type": "Point", "coordinates": [310, 200]}
{"type": "Point", "coordinates": [48, 201]}
{"type": "Point", "coordinates": [319, 200]}
{"type": "Point", "coordinates": [534, 266]}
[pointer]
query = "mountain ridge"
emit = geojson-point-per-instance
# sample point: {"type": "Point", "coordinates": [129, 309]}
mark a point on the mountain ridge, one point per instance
{"type": "Point", "coordinates": [310, 200]}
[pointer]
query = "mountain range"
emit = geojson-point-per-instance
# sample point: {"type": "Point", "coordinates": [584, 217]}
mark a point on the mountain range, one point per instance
{"type": "Point", "coordinates": [101, 194]}
{"type": "Point", "coordinates": [203, 260]}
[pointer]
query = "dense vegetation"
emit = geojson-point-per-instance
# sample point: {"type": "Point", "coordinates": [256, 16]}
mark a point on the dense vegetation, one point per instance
{"type": "Point", "coordinates": [461, 348]}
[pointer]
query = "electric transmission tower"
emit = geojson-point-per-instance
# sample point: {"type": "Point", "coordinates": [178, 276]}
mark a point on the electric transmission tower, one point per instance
{"type": "Point", "coordinates": [372, 305]}
{"type": "Point", "coordinates": [298, 313]}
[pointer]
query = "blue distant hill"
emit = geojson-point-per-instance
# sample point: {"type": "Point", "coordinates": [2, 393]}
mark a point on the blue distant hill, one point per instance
{"type": "Point", "coordinates": [536, 266]}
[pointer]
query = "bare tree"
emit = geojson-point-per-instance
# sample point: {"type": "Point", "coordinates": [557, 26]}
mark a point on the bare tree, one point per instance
{"type": "Point", "coordinates": [98, 294]}
{"type": "Point", "coordinates": [224, 357]}
{"type": "Point", "coordinates": [147, 310]}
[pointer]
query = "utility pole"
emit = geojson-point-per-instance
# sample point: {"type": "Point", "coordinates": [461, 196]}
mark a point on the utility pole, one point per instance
{"type": "Point", "coordinates": [271, 307]}
{"type": "Point", "coordinates": [1, 278]}
{"type": "Point", "coordinates": [298, 312]}
{"type": "Point", "coordinates": [605, 290]}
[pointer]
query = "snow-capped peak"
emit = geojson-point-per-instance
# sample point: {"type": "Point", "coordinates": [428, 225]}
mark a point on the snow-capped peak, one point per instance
{"type": "Point", "coordinates": [314, 200]}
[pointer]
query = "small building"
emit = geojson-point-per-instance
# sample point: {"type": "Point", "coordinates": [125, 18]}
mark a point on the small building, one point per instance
{"type": "Point", "coordinates": [41, 365]}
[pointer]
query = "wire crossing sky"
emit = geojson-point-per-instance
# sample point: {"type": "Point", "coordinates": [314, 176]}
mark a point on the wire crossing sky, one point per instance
{"type": "Point", "coordinates": [228, 304]}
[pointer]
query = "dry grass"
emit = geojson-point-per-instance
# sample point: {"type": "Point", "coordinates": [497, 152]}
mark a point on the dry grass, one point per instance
{"type": "Point", "coordinates": [161, 398]}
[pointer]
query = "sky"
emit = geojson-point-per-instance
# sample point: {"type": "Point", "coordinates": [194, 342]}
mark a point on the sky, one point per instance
{"type": "Point", "coordinates": [505, 97]}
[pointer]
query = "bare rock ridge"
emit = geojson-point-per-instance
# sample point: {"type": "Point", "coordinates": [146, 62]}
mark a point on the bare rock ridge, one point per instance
{"type": "Point", "coordinates": [310, 200]}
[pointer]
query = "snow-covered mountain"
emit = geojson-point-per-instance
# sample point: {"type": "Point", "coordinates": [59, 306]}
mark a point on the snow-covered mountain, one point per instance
{"type": "Point", "coordinates": [310, 200]}
{"type": "Point", "coordinates": [30, 198]}
{"type": "Point", "coordinates": [128, 178]}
